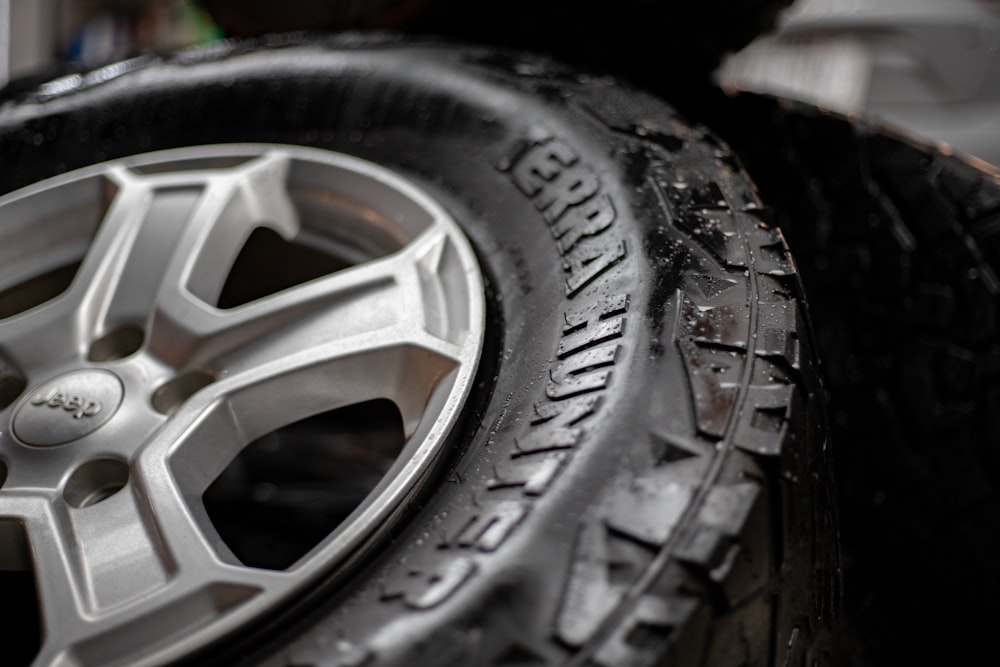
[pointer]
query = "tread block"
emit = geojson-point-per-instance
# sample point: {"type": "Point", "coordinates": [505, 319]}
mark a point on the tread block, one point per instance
{"type": "Point", "coordinates": [713, 400]}
{"type": "Point", "coordinates": [763, 423]}
{"type": "Point", "coordinates": [728, 542]}
{"type": "Point", "coordinates": [712, 341]}
{"type": "Point", "coordinates": [724, 326]}
{"type": "Point", "coordinates": [644, 633]}
{"type": "Point", "coordinates": [778, 333]}
{"type": "Point", "coordinates": [704, 546]}
{"type": "Point", "coordinates": [665, 452]}
{"type": "Point", "coordinates": [590, 595]}
{"type": "Point", "coordinates": [613, 548]}
{"type": "Point", "coordinates": [768, 251]}
{"type": "Point", "coordinates": [647, 510]}
{"type": "Point", "coordinates": [716, 230]}
{"type": "Point", "coordinates": [711, 287]}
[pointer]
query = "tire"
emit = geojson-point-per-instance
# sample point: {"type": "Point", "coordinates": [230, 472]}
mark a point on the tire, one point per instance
{"type": "Point", "coordinates": [899, 258]}
{"type": "Point", "coordinates": [641, 473]}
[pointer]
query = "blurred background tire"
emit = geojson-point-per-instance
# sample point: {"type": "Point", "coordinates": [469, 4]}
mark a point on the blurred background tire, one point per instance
{"type": "Point", "coordinates": [900, 256]}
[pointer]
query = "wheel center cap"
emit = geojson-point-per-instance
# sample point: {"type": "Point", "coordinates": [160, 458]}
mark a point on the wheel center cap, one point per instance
{"type": "Point", "coordinates": [68, 407]}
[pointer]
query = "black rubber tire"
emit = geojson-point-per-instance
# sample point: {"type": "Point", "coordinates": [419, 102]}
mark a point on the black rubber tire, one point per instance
{"type": "Point", "coordinates": [645, 478]}
{"type": "Point", "coordinates": [900, 257]}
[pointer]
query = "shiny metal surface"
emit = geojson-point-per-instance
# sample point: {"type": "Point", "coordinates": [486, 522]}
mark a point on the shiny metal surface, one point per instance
{"type": "Point", "coordinates": [67, 407]}
{"type": "Point", "coordinates": [108, 482]}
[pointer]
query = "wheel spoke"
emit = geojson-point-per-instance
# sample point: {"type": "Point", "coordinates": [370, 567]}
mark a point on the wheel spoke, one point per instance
{"type": "Point", "coordinates": [189, 332]}
{"type": "Point", "coordinates": [188, 234]}
{"type": "Point", "coordinates": [198, 557]}
{"type": "Point", "coordinates": [61, 587]}
{"type": "Point", "coordinates": [360, 324]}
{"type": "Point", "coordinates": [130, 565]}
{"type": "Point", "coordinates": [60, 318]}
{"type": "Point", "coordinates": [174, 232]}
{"type": "Point", "coordinates": [97, 569]}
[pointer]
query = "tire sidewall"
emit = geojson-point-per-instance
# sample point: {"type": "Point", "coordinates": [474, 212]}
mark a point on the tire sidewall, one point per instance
{"type": "Point", "coordinates": [457, 134]}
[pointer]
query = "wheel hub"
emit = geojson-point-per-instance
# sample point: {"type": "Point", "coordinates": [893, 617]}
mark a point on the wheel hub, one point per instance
{"type": "Point", "coordinates": [68, 407]}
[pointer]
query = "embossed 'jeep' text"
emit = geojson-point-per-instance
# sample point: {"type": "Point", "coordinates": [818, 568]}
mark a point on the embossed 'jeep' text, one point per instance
{"type": "Point", "coordinates": [80, 406]}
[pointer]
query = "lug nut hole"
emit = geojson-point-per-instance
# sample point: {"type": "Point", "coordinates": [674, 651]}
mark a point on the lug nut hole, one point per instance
{"type": "Point", "coordinates": [118, 344]}
{"type": "Point", "coordinates": [95, 481]}
{"type": "Point", "coordinates": [168, 397]}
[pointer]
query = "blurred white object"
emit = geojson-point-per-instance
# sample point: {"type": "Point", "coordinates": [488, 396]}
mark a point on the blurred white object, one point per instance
{"type": "Point", "coordinates": [30, 28]}
{"type": "Point", "coordinates": [4, 42]}
{"type": "Point", "coordinates": [930, 66]}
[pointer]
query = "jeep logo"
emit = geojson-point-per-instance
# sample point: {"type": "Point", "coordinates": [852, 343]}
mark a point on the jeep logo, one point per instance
{"type": "Point", "coordinates": [80, 406]}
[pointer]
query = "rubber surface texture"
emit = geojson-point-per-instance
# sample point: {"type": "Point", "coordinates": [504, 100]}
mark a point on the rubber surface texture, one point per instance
{"type": "Point", "coordinates": [900, 255]}
{"type": "Point", "coordinates": [643, 478]}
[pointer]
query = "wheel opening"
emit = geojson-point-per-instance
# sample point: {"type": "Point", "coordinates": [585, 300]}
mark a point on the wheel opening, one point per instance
{"type": "Point", "coordinates": [268, 264]}
{"type": "Point", "coordinates": [12, 385]}
{"type": "Point", "coordinates": [193, 164]}
{"type": "Point", "coordinates": [20, 622]}
{"type": "Point", "coordinates": [45, 239]}
{"type": "Point", "coordinates": [290, 489]}
{"type": "Point", "coordinates": [36, 291]}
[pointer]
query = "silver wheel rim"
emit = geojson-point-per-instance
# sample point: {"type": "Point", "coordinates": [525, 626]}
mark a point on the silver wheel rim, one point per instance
{"type": "Point", "coordinates": [105, 488]}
